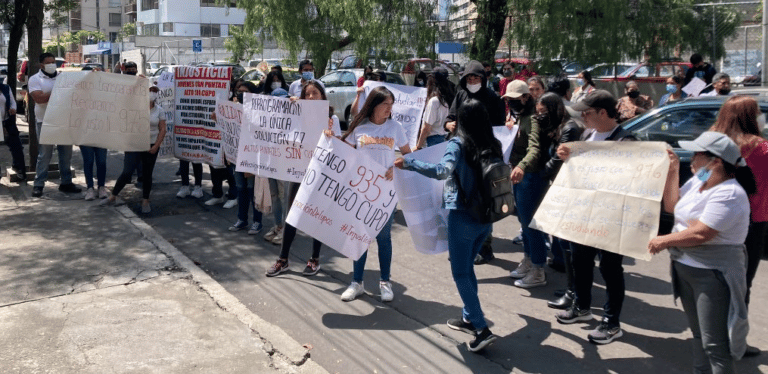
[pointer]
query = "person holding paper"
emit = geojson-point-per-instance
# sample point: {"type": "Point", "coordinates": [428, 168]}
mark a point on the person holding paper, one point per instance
{"type": "Point", "coordinates": [465, 234]}
{"type": "Point", "coordinates": [707, 249]}
{"type": "Point", "coordinates": [702, 70]}
{"type": "Point", "coordinates": [374, 132]}
{"type": "Point", "coordinates": [674, 91]}
{"type": "Point", "coordinates": [440, 95]}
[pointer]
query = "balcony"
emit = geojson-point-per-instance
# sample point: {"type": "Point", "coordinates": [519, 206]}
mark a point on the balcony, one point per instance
{"type": "Point", "coordinates": [75, 15]}
{"type": "Point", "coordinates": [130, 9]}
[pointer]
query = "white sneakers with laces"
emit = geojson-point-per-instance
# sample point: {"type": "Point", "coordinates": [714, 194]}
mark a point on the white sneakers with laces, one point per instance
{"type": "Point", "coordinates": [353, 291]}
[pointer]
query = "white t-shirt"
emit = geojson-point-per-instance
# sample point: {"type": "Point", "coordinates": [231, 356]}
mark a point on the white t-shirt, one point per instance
{"type": "Point", "coordinates": [435, 115]}
{"type": "Point", "coordinates": [336, 126]}
{"type": "Point", "coordinates": [4, 116]}
{"type": "Point", "coordinates": [155, 115]}
{"type": "Point", "coordinates": [40, 82]}
{"type": "Point", "coordinates": [379, 141]}
{"type": "Point", "coordinates": [724, 208]}
{"type": "Point", "coordinates": [295, 88]}
{"type": "Point", "coordinates": [600, 136]}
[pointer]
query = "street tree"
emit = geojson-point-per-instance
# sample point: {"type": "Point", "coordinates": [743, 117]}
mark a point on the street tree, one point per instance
{"type": "Point", "coordinates": [241, 44]}
{"type": "Point", "coordinates": [59, 16]}
{"type": "Point", "coordinates": [14, 14]}
{"type": "Point", "coordinates": [127, 30]}
{"type": "Point", "coordinates": [489, 29]}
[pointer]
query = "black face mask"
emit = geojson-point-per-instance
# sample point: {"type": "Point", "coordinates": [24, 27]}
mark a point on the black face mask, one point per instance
{"type": "Point", "coordinates": [516, 105]}
{"type": "Point", "coordinates": [724, 91]}
{"type": "Point", "coordinates": [131, 72]}
{"type": "Point", "coordinates": [543, 118]}
{"type": "Point", "coordinates": [240, 97]}
{"type": "Point", "coordinates": [633, 94]}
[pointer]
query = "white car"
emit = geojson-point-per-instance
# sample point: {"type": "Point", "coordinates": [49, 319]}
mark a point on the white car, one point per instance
{"type": "Point", "coordinates": [341, 88]}
{"type": "Point", "coordinates": [153, 66]}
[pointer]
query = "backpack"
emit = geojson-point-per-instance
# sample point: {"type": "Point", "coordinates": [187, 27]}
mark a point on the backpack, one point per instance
{"type": "Point", "coordinates": [493, 198]}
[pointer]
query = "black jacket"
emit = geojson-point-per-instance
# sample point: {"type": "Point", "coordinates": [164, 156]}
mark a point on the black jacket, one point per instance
{"type": "Point", "coordinates": [492, 103]}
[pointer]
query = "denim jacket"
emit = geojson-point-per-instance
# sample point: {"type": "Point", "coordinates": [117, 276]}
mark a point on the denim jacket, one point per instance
{"type": "Point", "coordinates": [451, 166]}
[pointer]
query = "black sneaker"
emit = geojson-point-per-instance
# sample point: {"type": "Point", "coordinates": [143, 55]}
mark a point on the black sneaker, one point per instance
{"type": "Point", "coordinates": [573, 315]}
{"type": "Point", "coordinates": [605, 333]}
{"type": "Point", "coordinates": [482, 340]}
{"type": "Point", "coordinates": [482, 260]}
{"type": "Point", "coordinates": [313, 266]}
{"type": "Point", "coordinates": [69, 188]}
{"type": "Point", "coordinates": [37, 192]}
{"type": "Point", "coordinates": [458, 324]}
{"type": "Point", "coordinates": [751, 351]}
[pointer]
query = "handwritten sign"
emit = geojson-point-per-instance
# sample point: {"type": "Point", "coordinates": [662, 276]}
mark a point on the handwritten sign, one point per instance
{"type": "Point", "coordinates": [166, 101]}
{"type": "Point", "coordinates": [607, 195]}
{"type": "Point", "coordinates": [506, 137]}
{"type": "Point", "coordinates": [229, 118]}
{"type": "Point", "coordinates": [99, 110]}
{"type": "Point", "coordinates": [196, 136]}
{"type": "Point", "coordinates": [421, 200]}
{"type": "Point", "coordinates": [407, 108]}
{"type": "Point", "coordinates": [279, 135]}
{"type": "Point", "coordinates": [344, 199]}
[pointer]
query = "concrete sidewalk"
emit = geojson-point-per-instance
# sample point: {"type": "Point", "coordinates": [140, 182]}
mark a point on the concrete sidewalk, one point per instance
{"type": "Point", "coordinates": [85, 289]}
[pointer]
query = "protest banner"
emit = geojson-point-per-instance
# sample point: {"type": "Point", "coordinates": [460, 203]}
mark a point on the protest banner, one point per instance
{"type": "Point", "coordinates": [99, 110]}
{"type": "Point", "coordinates": [229, 118]}
{"type": "Point", "coordinates": [421, 200]}
{"type": "Point", "coordinates": [196, 136]}
{"type": "Point", "coordinates": [166, 101]}
{"type": "Point", "coordinates": [344, 199]}
{"type": "Point", "coordinates": [279, 135]}
{"type": "Point", "coordinates": [407, 108]}
{"type": "Point", "coordinates": [507, 137]}
{"type": "Point", "coordinates": [607, 195]}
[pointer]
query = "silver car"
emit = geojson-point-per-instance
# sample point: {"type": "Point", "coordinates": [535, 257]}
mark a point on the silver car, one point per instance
{"type": "Point", "coordinates": [341, 88]}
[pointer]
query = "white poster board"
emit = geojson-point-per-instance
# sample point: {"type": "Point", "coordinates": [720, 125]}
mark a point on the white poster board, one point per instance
{"type": "Point", "coordinates": [407, 108]}
{"type": "Point", "coordinates": [196, 136]}
{"type": "Point", "coordinates": [507, 137]}
{"type": "Point", "coordinates": [279, 135]}
{"type": "Point", "coordinates": [166, 101]}
{"type": "Point", "coordinates": [98, 109]}
{"type": "Point", "coordinates": [694, 87]}
{"type": "Point", "coordinates": [421, 200]}
{"type": "Point", "coordinates": [607, 195]}
{"type": "Point", "coordinates": [344, 199]}
{"type": "Point", "coordinates": [229, 118]}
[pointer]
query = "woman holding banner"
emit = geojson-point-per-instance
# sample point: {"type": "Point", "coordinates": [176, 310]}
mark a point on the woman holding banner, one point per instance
{"type": "Point", "coordinates": [707, 249]}
{"type": "Point", "coordinates": [147, 158]}
{"type": "Point", "coordinates": [311, 91]}
{"type": "Point", "coordinates": [465, 234]}
{"type": "Point", "coordinates": [374, 132]}
{"type": "Point", "coordinates": [440, 95]}
{"type": "Point", "coordinates": [274, 81]}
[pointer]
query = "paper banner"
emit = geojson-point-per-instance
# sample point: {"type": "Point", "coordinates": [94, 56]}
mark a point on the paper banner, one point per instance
{"type": "Point", "coordinates": [229, 118]}
{"type": "Point", "coordinates": [166, 101]}
{"type": "Point", "coordinates": [407, 109]}
{"type": "Point", "coordinates": [507, 138]}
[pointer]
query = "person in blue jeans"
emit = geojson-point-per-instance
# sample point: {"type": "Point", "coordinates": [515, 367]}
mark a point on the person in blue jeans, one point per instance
{"type": "Point", "coordinates": [244, 202]}
{"type": "Point", "coordinates": [465, 234]}
{"type": "Point", "coordinates": [99, 156]}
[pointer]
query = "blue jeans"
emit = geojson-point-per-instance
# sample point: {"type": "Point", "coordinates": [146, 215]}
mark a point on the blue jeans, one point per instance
{"type": "Point", "coordinates": [528, 194]}
{"type": "Point", "coordinates": [277, 201]}
{"type": "Point", "coordinates": [44, 158]}
{"type": "Point", "coordinates": [384, 241]}
{"type": "Point", "coordinates": [245, 196]}
{"type": "Point", "coordinates": [465, 237]}
{"type": "Point", "coordinates": [435, 139]}
{"type": "Point", "coordinates": [99, 155]}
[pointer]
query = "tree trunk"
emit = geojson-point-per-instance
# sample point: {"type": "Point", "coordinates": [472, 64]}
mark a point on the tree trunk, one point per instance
{"type": "Point", "coordinates": [321, 56]}
{"type": "Point", "coordinates": [489, 29]}
{"type": "Point", "coordinates": [20, 13]}
{"type": "Point", "coordinates": [35, 48]}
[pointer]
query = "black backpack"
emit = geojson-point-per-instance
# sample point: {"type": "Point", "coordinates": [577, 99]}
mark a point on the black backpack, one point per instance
{"type": "Point", "coordinates": [493, 198]}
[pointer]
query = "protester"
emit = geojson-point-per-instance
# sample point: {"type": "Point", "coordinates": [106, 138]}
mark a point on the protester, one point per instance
{"type": "Point", "coordinates": [367, 70]}
{"type": "Point", "coordinates": [721, 84]}
{"type": "Point", "coordinates": [13, 140]}
{"type": "Point", "coordinates": [633, 103]}
{"type": "Point", "coordinates": [701, 70]}
{"type": "Point", "coordinates": [374, 132]}
{"type": "Point", "coordinates": [360, 92]}
{"type": "Point", "coordinates": [307, 71]}
{"type": "Point", "coordinates": [274, 81]}
{"type": "Point", "coordinates": [675, 91]}
{"type": "Point", "coordinates": [524, 74]}
{"type": "Point", "coordinates": [243, 87]}
{"type": "Point", "coordinates": [507, 70]}
{"type": "Point", "coordinates": [277, 192]}
{"type": "Point", "coordinates": [218, 176]}
{"type": "Point", "coordinates": [706, 247]}
{"type": "Point", "coordinates": [598, 109]}
{"type": "Point", "coordinates": [585, 86]}
{"type": "Point", "coordinates": [421, 79]}
{"type": "Point", "coordinates": [40, 87]}
{"type": "Point", "coordinates": [197, 170]}
{"type": "Point", "coordinates": [157, 129]}
{"type": "Point", "coordinates": [93, 155]}
{"type": "Point", "coordinates": [465, 234]}
{"type": "Point", "coordinates": [528, 158]}
{"type": "Point", "coordinates": [488, 76]}
{"type": "Point", "coordinates": [738, 120]}
{"type": "Point", "coordinates": [440, 95]}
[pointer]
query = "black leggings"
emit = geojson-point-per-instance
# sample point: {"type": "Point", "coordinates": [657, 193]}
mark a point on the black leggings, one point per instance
{"type": "Point", "coordinates": [197, 170]}
{"type": "Point", "coordinates": [289, 232]}
{"type": "Point", "coordinates": [131, 160]}
{"type": "Point", "coordinates": [755, 244]}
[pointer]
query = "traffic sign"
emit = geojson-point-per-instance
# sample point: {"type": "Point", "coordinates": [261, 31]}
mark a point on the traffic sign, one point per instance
{"type": "Point", "coordinates": [197, 45]}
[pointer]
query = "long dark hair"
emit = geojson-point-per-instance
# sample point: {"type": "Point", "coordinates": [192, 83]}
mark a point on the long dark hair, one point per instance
{"type": "Point", "coordinates": [441, 88]}
{"type": "Point", "coordinates": [742, 174]}
{"type": "Point", "coordinates": [377, 96]}
{"type": "Point", "coordinates": [474, 129]}
{"type": "Point", "coordinates": [551, 121]}
{"type": "Point", "coordinates": [271, 78]}
{"type": "Point", "coordinates": [587, 77]}
{"type": "Point", "coordinates": [320, 88]}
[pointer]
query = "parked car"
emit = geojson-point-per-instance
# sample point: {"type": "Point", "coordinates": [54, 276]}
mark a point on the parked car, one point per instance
{"type": "Point", "coordinates": [153, 66]}
{"type": "Point", "coordinates": [408, 69]}
{"type": "Point", "coordinates": [237, 70]}
{"type": "Point", "coordinates": [572, 69]}
{"type": "Point", "coordinates": [610, 70]}
{"type": "Point", "coordinates": [254, 76]}
{"type": "Point", "coordinates": [341, 88]}
{"type": "Point", "coordinates": [354, 62]}
{"type": "Point", "coordinates": [166, 68]}
{"type": "Point", "coordinates": [656, 73]}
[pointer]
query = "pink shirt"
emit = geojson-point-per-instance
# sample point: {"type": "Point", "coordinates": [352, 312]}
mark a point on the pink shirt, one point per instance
{"type": "Point", "coordinates": [756, 155]}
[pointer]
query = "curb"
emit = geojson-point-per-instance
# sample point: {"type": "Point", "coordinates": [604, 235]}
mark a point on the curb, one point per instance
{"type": "Point", "coordinates": [276, 341]}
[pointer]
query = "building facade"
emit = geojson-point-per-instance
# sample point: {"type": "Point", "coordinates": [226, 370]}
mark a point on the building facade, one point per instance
{"type": "Point", "coordinates": [186, 18]}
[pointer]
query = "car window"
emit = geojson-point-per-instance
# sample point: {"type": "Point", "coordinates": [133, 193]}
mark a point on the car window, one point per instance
{"type": "Point", "coordinates": [347, 79]}
{"type": "Point", "coordinates": [676, 125]}
{"type": "Point", "coordinates": [348, 62]}
{"type": "Point", "coordinates": [602, 71]}
{"type": "Point", "coordinates": [252, 75]}
{"type": "Point", "coordinates": [425, 66]}
{"type": "Point", "coordinates": [667, 70]}
{"type": "Point", "coordinates": [331, 80]}
{"type": "Point", "coordinates": [643, 72]}
{"type": "Point", "coordinates": [621, 69]}
{"type": "Point", "coordinates": [395, 78]}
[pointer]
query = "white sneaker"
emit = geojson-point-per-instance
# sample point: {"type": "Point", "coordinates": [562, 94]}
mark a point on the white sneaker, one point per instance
{"type": "Point", "coordinates": [278, 239]}
{"type": "Point", "coordinates": [522, 269]}
{"type": "Point", "coordinates": [353, 291]}
{"type": "Point", "coordinates": [183, 192]}
{"type": "Point", "coordinates": [536, 277]}
{"type": "Point", "coordinates": [271, 233]}
{"type": "Point", "coordinates": [103, 193]}
{"type": "Point", "coordinates": [230, 204]}
{"type": "Point", "coordinates": [197, 192]}
{"type": "Point", "coordinates": [215, 200]}
{"type": "Point", "coordinates": [90, 194]}
{"type": "Point", "coordinates": [386, 291]}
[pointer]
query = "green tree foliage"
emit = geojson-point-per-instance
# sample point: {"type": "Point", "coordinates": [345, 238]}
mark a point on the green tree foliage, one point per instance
{"type": "Point", "coordinates": [614, 30]}
{"type": "Point", "coordinates": [241, 44]}
{"type": "Point", "coordinates": [323, 26]}
{"type": "Point", "coordinates": [127, 30]}
{"type": "Point", "coordinates": [489, 29]}
{"type": "Point", "coordinates": [14, 14]}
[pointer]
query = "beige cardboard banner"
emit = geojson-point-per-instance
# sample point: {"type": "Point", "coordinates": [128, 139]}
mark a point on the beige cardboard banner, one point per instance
{"type": "Point", "coordinates": [98, 109]}
{"type": "Point", "coordinates": [607, 195]}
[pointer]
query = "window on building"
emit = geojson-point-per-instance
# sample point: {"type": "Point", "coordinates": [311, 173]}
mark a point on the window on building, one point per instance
{"type": "Point", "coordinates": [214, 3]}
{"type": "Point", "coordinates": [114, 4]}
{"type": "Point", "coordinates": [115, 19]}
{"type": "Point", "coordinates": [113, 37]}
{"type": "Point", "coordinates": [167, 26]}
{"type": "Point", "coordinates": [210, 30]}
{"type": "Point", "coordinates": [150, 4]}
{"type": "Point", "coordinates": [150, 29]}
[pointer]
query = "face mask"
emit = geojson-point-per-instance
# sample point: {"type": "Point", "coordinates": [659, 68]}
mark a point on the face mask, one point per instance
{"type": "Point", "coordinates": [580, 82]}
{"type": "Point", "coordinates": [308, 75]}
{"type": "Point", "coordinates": [704, 173]}
{"type": "Point", "coordinates": [276, 85]}
{"type": "Point", "coordinates": [633, 94]}
{"type": "Point", "coordinates": [724, 91]}
{"type": "Point", "coordinates": [131, 72]}
{"type": "Point", "coordinates": [507, 73]}
{"type": "Point", "coordinates": [421, 82]}
{"type": "Point", "coordinates": [240, 97]}
{"type": "Point", "coordinates": [152, 96]}
{"type": "Point", "coordinates": [50, 68]}
{"type": "Point", "coordinates": [671, 88]}
{"type": "Point", "coordinates": [516, 105]}
{"type": "Point", "coordinates": [473, 88]}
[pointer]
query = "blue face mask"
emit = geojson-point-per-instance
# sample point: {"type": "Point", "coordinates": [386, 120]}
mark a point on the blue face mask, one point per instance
{"type": "Point", "coordinates": [308, 75]}
{"type": "Point", "coordinates": [580, 82]}
{"type": "Point", "coordinates": [671, 88]}
{"type": "Point", "coordinates": [704, 173]}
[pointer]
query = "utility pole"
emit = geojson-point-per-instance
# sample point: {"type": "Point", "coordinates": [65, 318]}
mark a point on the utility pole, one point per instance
{"type": "Point", "coordinates": [35, 48]}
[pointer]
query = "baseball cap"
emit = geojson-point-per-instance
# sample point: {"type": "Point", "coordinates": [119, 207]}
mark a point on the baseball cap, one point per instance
{"type": "Point", "coordinates": [440, 72]}
{"type": "Point", "coordinates": [717, 144]}
{"type": "Point", "coordinates": [599, 99]}
{"type": "Point", "coordinates": [516, 88]}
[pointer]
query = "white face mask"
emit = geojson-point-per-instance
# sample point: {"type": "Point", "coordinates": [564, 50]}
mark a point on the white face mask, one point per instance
{"type": "Point", "coordinates": [49, 68]}
{"type": "Point", "coordinates": [473, 88]}
{"type": "Point", "coordinates": [276, 85]}
{"type": "Point", "coordinates": [152, 96]}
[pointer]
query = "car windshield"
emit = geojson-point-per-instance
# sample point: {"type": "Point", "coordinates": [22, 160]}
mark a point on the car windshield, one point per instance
{"type": "Point", "coordinates": [673, 126]}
